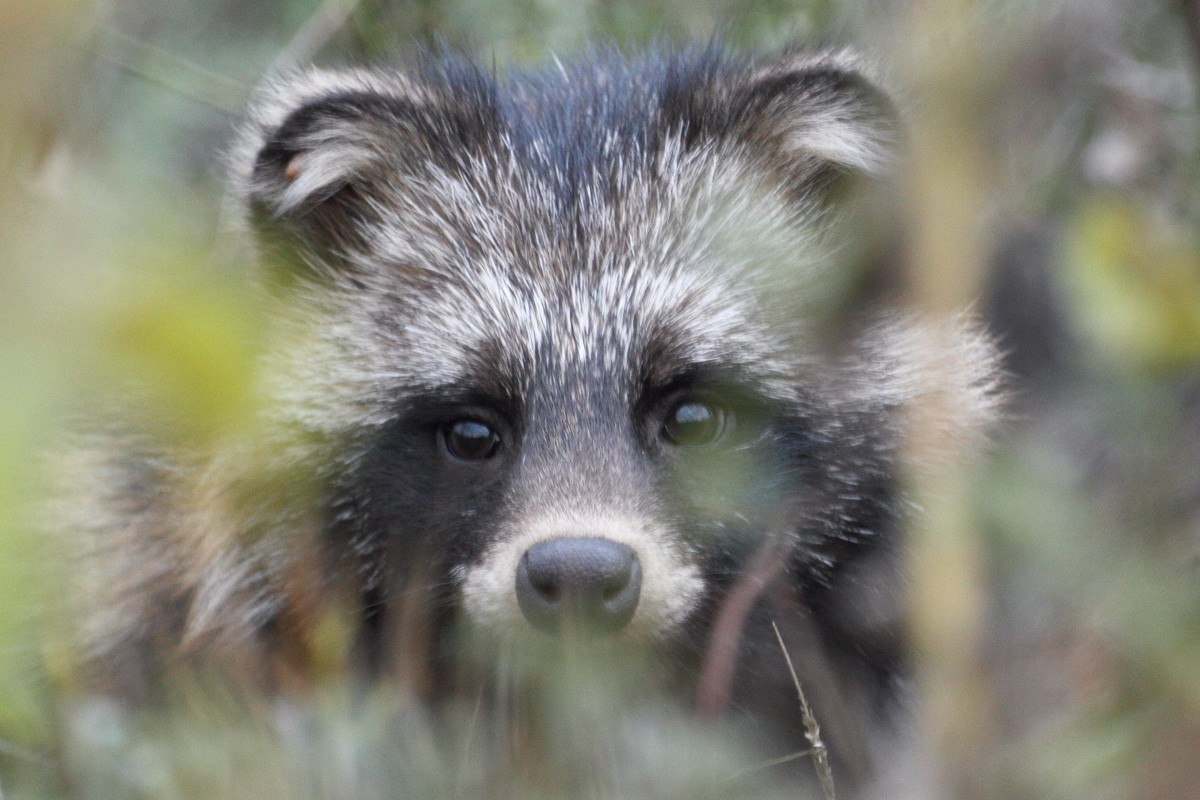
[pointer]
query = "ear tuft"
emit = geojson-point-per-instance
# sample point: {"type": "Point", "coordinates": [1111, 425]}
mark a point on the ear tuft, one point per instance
{"type": "Point", "coordinates": [822, 110]}
{"type": "Point", "coordinates": [296, 129]}
{"type": "Point", "coordinates": [943, 378]}
{"type": "Point", "coordinates": [324, 151]}
{"type": "Point", "coordinates": [323, 147]}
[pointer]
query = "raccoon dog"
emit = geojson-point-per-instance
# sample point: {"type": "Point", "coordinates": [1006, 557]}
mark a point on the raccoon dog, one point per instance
{"type": "Point", "coordinates": [574, 351]}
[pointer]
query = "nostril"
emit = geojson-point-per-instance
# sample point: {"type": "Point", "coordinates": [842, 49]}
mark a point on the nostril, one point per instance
{"type": "Point", "coordinates": [548, 590]}
{"type": "Point", "coordinates": [594, 581]}
{"type": "Point", "coordinates": [620, 597]}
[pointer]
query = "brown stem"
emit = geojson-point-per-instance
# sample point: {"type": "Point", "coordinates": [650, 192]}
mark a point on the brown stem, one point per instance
{"type": "Point", "coordinates": [715, 685]}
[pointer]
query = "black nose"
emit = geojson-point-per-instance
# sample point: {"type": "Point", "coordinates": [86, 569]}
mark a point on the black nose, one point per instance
{"type": "Point", "coordinates": [591, 583]}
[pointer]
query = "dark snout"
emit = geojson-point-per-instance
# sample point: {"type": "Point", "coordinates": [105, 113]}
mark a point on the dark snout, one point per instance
{"type": "Point", "coordinates": [591, 583]}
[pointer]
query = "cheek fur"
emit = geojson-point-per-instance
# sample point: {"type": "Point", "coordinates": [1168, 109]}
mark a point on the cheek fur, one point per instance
{"type": "Point", "coordinates": [671, 586]}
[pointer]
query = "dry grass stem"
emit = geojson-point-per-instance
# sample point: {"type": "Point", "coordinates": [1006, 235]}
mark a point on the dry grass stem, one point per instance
{"type": "Point", "coordinates": [812, 731]}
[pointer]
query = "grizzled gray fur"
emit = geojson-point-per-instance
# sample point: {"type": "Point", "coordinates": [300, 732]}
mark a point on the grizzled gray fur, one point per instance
{"type": "Point", "coordinates": [570, 348]}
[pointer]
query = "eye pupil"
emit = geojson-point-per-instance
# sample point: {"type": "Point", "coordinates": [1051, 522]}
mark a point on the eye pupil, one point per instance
{"type": "Point", "coordinates": [694, 423]}
{"type": "Point", "coordinates": [471, 440]}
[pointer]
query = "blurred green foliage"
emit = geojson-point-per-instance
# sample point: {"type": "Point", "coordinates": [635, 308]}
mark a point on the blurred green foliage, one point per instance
{"type": "Point", "coordinates": [112, 121]}
{"type": "Point", "coordinates": [1135, 282]}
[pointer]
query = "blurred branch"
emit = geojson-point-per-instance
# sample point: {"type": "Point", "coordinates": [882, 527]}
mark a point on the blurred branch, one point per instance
{"type": "Point", "coordinates": [1191, 19]}
{"type": "Point", "coordinates": [945, 559]}
{"type": "Point", "coordinates": [329, 18]}
{"type": "Point", "coordinates": [715, 685]}
{"type": "Point", "coordinates": [14, 750]}
{"type": "Point", "coordinates": [171, 72]}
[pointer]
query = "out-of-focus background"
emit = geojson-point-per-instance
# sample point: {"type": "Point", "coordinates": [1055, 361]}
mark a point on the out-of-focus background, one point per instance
{"type": "Point", "coordinates": [1056, 179]}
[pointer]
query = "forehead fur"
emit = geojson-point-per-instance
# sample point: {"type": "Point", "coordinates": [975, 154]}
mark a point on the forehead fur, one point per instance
{"type": "Point", "coordinates": [467, 276]}
{"type": "Point", "coordinates": [613, 208]}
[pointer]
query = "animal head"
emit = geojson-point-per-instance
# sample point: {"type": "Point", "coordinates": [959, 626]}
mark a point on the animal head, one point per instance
{"type": "Point", "coordinates": [564, 332]}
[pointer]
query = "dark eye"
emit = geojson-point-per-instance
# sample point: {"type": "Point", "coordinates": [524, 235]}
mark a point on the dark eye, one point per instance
{"type": "Point", "coordinates": [471, 440]}
{"type": "Point", "coordinates": [694, 422]}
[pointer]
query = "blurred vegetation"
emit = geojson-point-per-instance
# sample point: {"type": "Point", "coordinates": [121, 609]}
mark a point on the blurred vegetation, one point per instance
{"type": "Point", "coordinates": [1080, 201]}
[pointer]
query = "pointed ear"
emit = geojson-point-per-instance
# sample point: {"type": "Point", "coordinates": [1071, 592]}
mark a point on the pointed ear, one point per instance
{"type": "Point", "coordinates": [323, 151]}
{"type": "Point", "coordinates": [819, 131]}
{"type": "Point", "coordinates": [817, 118]}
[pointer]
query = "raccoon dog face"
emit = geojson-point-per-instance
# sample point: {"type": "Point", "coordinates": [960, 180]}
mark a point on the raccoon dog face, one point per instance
{"type": "Point", "coordinates": [564, 335]}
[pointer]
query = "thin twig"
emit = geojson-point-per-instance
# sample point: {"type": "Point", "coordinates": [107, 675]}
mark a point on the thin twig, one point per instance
{"type": "Point", "coordinates": [170, 71]}
{"type": "Point", "coordinates": [812, 731]}
{"type": "Point", "coordinates": [774, 762]}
